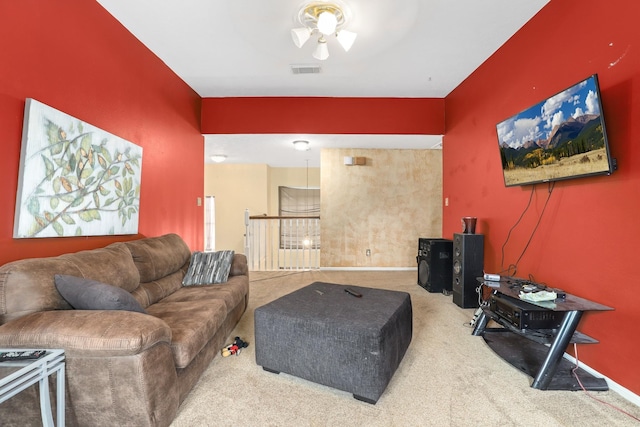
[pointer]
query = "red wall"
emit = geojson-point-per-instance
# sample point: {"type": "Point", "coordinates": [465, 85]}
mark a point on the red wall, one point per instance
{"type": "Point", "coordinates": [587, 240]}
{"type": "Point", "coordinates": [323, 115]}
{"type": "Point", "coordinates": [74, 56]}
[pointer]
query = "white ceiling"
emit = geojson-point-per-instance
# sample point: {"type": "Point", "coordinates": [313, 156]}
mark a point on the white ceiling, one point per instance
{"type": "Point", "coordinates": [404, 48]}
{"type": "Point", "coordinates": [277, 150]}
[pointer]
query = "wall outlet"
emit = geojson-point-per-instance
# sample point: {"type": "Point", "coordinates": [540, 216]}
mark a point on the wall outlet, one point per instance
{"type": "Point", "coordinates": [368, 252]}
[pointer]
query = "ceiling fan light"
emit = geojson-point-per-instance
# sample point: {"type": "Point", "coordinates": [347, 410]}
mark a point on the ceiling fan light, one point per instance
{"type": "Point", "coordinates": [327, 23]}
{"type": "Point", "coordinates": [346, 39]}
{"type": "Point", "coordinates": [300, 36]}
{"type": "Point", "coordinates": [218, 158]}
{"type": "Point", "coordinates": [322, 51]}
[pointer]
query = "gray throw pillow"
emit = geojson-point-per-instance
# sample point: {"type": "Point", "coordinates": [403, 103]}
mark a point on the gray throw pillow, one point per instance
{"type": "Point", "coordinates": [208, 267]}
{"type": "Point", "coordinates": [86, 294]}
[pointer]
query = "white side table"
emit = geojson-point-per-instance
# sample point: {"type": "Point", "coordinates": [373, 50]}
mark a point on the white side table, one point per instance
{"type": "Point", "coordinates": [18, 375]}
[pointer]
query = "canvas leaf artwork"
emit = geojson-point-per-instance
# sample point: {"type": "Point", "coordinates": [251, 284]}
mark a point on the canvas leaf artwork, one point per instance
{"type": "Point", "coordinates": [75, 179]}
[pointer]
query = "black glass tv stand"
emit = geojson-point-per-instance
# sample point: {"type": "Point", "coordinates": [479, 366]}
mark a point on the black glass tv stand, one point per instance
{"type": "Point", "coordinates": [539, 352]}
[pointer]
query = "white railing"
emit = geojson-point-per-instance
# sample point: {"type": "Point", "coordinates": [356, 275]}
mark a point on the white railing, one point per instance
{"type": "Point", "coordinates": [282, 242]}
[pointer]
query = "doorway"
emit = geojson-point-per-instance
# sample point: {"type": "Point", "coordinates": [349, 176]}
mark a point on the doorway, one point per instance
{"type": "Point", "coordinates": [209, 223]}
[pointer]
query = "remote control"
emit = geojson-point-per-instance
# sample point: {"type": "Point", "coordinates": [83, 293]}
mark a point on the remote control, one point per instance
{"type": "Point", "coordinates": [21, 355]}
{"type": "Point", "coordinates": [352, 292]}
{"type": "Point", "coordinates": [492, 277]}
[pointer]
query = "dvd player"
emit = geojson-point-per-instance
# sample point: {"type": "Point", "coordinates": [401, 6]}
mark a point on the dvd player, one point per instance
{"type": "Point", "coordinates": [523, 315]}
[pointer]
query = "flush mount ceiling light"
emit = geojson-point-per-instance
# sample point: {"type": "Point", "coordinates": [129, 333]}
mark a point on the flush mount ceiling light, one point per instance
{"type": "Point", "coordinates": [322, 19]}
{"type": "Point", "coordinates": [301, 145]}
{"type": "Point", "coordinates": [218, 158]}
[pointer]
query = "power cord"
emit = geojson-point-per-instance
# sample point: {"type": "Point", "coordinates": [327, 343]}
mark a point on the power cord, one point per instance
{"type": "Point", "coordinates": [512, 269]}
{"type": "Point", "coordinates": [550, 190]}
{"type": "Point", "coordinates": [575, 374]}
{"type": "Point", "coordinates": [476, 314]}
{"type": "Point", "coordinates": [481, 303]}
{"type": "Point", "coordinates": [512, 228]}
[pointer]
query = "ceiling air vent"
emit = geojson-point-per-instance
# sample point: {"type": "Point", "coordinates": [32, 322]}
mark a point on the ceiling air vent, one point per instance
{"type": "Point", "coordinates": [305, 69]}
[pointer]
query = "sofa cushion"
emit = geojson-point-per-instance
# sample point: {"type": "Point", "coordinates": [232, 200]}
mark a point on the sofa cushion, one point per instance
{"type": "Point", "coordinates": [161, 288]}
{"type": "Point", "coordinates": [27, 286]}
{"type": "Point", "coordinates": [208, 267]}
{"type": "Point", "coordinates": [112, 264]}
{"type": "Point", "coordinates": [232, 292]}
{"type": "Point", "coordinates": [157, 257]}
{"type": "Point", "coordinates": [192, 324]}
{"type": "Point", "coordinates": [86, 294]}
{"type": "Point", "coordinates": [239, 266]}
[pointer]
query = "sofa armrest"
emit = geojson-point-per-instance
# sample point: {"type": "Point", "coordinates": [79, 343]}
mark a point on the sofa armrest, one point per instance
{"type": "Point", "coordinates": [239, 266]}
{"type": "Point", "coordinates": [86, 333]}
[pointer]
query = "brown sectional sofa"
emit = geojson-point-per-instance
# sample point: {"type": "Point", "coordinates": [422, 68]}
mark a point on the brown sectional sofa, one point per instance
{"type": "Point", "coordinates": [123, 368]}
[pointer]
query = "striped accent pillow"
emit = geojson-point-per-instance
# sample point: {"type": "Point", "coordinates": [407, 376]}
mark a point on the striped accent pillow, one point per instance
{"type": "Point", "coordinates": [208, 267]}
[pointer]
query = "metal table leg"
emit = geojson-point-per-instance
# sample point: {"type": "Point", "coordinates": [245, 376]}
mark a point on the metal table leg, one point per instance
{"type": "Point", "coordinates": [556, 351]}
{"type": "Point", "coordinates": [60, 376]}
{"type": "Point", "coordinates": [45, 403]}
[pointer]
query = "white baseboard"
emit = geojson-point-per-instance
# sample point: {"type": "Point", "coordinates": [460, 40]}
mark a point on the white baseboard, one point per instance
{"type": "Point", "coordinates": [369, 268]}
{"type": "Point", "coordinates": [614, 386]}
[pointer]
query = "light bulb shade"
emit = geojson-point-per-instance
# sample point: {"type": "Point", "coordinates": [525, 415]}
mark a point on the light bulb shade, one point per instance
{"type": "Point", "coordinates": [218, 158]}
{"type": "Point", "coordinates": [346, 39]}
{"type": "Point", "coordinates": [300, 36]}
{"type": "Point", "coordinates": [301, 145]}
{"type": "Point", "coordinates": [322, 51]}
{"type": "Point", "coordinates": [327, 23]}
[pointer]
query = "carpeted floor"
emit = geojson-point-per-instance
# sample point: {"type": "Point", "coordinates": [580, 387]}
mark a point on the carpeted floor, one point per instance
{"type": "Point", "coordinates": [447, 378]}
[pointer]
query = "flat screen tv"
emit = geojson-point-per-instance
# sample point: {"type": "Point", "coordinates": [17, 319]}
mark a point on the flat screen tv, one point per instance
{"type": "Point", "coordinates": [561, 137]}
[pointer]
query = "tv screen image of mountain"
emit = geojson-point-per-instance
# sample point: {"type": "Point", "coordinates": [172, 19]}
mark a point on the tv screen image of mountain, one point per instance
{"type": "Point", "coordinates": [561, 137]}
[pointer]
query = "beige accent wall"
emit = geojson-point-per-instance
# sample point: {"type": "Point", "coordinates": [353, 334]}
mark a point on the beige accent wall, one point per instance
{"type": "Point", "coordinates": [235, 188]}
{"type": "Point", "coordinates": [384, 206]}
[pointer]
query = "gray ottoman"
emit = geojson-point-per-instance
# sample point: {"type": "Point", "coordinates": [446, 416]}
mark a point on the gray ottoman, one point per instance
{"type": "Point", "coordinates": [323, 334]}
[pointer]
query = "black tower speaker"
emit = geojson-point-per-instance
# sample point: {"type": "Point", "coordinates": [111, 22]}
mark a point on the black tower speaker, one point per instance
{"type": "Point", "coordinates": [435, 264]}
{"type": "Point", "coordinates": [468, 264]}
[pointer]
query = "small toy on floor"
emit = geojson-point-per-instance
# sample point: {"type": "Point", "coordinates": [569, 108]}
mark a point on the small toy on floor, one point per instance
{"type": "Point", "coordinates": [234, 348]}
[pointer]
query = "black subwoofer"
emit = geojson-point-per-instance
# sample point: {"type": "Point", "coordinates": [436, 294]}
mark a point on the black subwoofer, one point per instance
{"type": "Point", "coordinates": [435, 264]}
{"type": "Point", "coordinates": [468, 264]}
